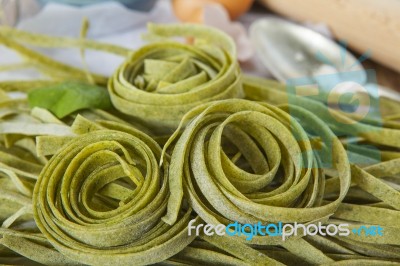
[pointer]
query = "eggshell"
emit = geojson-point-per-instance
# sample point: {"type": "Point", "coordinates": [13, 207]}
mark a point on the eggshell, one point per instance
{"type": "Point", "coordinates": [192, 11]}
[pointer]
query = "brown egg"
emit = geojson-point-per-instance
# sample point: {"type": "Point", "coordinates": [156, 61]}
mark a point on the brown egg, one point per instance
{"type": "Point", "coordinates": [192, 10]}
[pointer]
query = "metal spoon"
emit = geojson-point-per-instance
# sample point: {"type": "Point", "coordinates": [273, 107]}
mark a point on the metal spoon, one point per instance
{"type": "Point", "coordinates": [290, 51]}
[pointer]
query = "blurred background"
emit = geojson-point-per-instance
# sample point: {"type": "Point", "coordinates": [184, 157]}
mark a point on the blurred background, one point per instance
{"type": "Point", "coordinates": [275, 38]}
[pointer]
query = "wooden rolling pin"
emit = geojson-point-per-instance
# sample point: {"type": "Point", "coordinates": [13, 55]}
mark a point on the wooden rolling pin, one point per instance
{"type": "Point", "coordinates": [364, 24]}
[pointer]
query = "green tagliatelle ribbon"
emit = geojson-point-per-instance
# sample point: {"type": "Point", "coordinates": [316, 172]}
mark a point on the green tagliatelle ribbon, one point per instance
{"type": "Point", "coordinates": [100, 199]}
{"type": "Point", "coordinates": [60, 42]}
{"type": "Point", "coordinates": [282, 180]}
{"type": "Point", "coordinates": [161, 81]}
{"type": "Point", "coordinates": [251, 162]}
{"type": "Point", "coordinates": [55, 70]}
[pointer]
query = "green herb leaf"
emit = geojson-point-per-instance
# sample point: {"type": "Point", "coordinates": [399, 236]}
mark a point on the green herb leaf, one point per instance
{"type": "Point", "coordinates": [65, 98]}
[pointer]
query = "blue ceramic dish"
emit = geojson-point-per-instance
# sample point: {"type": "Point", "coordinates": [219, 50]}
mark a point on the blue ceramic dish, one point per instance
{"type": "Point", "coordinates": [140, 5]}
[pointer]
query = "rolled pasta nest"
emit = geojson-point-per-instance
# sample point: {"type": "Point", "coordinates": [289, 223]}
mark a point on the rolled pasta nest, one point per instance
{"type": "Point", "coordinates": [101, 197]}
{"type": "Point", "coordinates": [160, 82]}
{"type": "Point", "coordinates": [272, 173]}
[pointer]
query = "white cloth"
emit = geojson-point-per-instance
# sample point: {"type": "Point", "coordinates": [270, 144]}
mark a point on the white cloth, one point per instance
{"type": "Point", "coordinates": [110, 22]}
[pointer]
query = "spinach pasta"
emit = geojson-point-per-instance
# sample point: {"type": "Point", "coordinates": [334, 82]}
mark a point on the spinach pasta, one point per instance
{"type": "Point", "coordinates": [134, 169]}
{"type": "Point", "coordinates": [163, 80]}
{"type": "Point", "coordinates": [268, 140]}
{"type": "Point", "coordinates": [100, 200]}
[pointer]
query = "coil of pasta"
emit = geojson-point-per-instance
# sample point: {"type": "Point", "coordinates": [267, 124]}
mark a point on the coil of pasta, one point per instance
{"type": "Point", "coordinates": [272, 173]}
{"type": "Point", "coordinates": [101, 197]}
{"type": "Point", "coordinates": [161, 81]}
